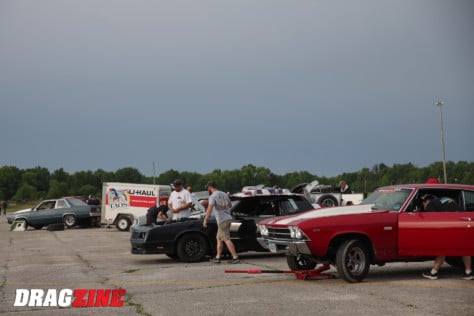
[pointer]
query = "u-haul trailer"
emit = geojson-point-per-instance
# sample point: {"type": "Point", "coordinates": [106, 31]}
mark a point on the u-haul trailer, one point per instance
{"type": "Point", "coordinates": [122, 203]}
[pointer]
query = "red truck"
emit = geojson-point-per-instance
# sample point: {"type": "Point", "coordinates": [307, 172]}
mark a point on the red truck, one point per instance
{"type": "Point", "coordinates": [388, 226]}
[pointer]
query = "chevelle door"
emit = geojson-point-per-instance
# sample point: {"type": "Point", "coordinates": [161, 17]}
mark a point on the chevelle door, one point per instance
{"type": "Point", "coordinates": [436, 233]}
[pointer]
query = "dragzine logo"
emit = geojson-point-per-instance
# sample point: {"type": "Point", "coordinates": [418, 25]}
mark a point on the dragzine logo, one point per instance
{"type": "Point", "coordinates": [69, 298]}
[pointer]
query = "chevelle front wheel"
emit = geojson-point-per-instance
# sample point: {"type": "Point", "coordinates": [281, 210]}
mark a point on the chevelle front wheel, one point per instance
{"type": "Point", "coordinates": [352, 261]}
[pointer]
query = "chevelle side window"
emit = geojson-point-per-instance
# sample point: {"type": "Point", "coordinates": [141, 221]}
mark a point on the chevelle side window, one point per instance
{"type": "Point", "coordinates": [469, 200]}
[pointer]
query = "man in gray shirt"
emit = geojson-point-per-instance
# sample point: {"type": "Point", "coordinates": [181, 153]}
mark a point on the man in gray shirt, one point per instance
{"type": "Point", "coordinates": [220, 201]}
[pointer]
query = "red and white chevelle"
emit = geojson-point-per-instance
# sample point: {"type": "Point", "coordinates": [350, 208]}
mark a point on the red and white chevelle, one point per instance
{"type": "Point", "coordinates": [390, 225]}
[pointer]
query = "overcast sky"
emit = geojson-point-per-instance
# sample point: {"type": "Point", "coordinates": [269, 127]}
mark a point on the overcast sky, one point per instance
{"type": "Point", "coordinates": [322, 86]}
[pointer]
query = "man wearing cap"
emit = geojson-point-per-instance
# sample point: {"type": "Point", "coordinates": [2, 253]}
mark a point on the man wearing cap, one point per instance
{"type": "Point", "coordinates": [180, 201]}
{"type": "Point", "coordinates": [222, 204]}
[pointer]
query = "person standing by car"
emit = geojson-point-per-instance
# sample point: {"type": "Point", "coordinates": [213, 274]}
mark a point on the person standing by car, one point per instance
{"type": "Point", "coordinates": [180, 201]}
{"type": "Point", "coordinates": [344, 187]}
{"type": "Point", "coordinates": [432, 204]}
{"type": "Point", "coordinates": [221, 202]}
{"type": "Point", "coordinates": [4, 207]}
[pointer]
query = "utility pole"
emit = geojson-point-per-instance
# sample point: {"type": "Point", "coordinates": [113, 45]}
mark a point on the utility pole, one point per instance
{"type": "Point", "coordinates": [443, 148]}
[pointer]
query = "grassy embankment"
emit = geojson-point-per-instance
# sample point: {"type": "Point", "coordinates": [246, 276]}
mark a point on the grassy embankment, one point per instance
{"type": "Point", "coordinates": [16, 206]}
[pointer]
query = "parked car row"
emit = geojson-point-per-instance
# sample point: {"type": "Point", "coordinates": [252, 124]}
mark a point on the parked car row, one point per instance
{"type": "Point", "coordinates": [390, 225]}
{"type": "Point", "coordinates": [187, 240]}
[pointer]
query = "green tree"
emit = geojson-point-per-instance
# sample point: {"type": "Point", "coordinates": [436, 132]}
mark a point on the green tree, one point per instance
{"type": "Point", "coordinates": [168, 177]}
{"type": "Point", "coordinates": [26, 192]}
{"type": "Point", "coordinates": [60, 175]}
{"type": "Point", "coordinates": [9, 181]}
{"type": "Point", "coordinates": [89, 189]}
{"type": "Point", "coordinates": [57, 189]}
{"type": "Point", "coordinates": [129, 174]}
{"type": "Point", "coordinates": [37, 177]}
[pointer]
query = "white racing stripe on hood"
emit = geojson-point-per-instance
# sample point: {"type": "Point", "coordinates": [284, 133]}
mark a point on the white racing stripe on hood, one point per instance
{"type": "Point", "coordinates": [327, 212]}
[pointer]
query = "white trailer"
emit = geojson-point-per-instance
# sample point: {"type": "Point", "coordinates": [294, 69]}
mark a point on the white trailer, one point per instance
{"type": "Point", "coordinates": [122, 203]}
{"type": "Point", "coordinates": [326, 197]}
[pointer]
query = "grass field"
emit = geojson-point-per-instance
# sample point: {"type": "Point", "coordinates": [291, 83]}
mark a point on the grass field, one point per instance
{"type": "Point", "coordinates": [16, 206]}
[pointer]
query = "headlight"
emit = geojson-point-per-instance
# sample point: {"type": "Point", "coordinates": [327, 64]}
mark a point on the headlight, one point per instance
{"type": "Point", "coordinates": [263, 230]}
{"type": "Point", "coordinates": [292, 232]}
{"type": "Point", "coordinates": [296, 232]}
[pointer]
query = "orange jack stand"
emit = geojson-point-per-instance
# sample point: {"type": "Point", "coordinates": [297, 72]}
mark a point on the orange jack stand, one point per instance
{"type": "Point", "coordinates": [300, 274]}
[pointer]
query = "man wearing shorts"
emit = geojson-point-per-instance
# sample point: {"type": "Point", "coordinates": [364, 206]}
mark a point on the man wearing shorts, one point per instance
{"type": "Point", "coordinates": [222, 204]}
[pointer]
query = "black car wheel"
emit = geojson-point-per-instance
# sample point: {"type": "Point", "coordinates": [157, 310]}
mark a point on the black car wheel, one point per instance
{"type": "Point", "coordinates": [123, 223]}
{"type": "Point", "coordinates": [299, 263]}
{"type": "Point", "coordinates": [352, 261]}
{"type": "Point", "coordinates": [70, 220]}
{"type": "Point", "coordinates": [192, 247]}
{"type": "Point", "coordinates": [327, 201]}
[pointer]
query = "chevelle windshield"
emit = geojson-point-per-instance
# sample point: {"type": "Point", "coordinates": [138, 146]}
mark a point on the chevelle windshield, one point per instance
{"type": "Point", "coordinates": [388, 199]}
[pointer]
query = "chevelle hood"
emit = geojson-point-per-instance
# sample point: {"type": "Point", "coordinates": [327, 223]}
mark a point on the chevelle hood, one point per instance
{"type": "Point", "coordinates": [324, 212]}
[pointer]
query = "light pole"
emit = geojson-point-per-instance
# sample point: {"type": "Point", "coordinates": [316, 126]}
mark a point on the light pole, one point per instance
{"type": "Point", "coordinates": [443, 148]}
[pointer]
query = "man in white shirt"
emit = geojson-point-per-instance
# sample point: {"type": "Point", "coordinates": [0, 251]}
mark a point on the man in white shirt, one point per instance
{"type": "Point", "coordinates": [180, 201]}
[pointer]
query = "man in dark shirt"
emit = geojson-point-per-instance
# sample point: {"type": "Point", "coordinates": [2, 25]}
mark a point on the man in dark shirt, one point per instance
{"type": "Point", "coordinates": [154, 213]}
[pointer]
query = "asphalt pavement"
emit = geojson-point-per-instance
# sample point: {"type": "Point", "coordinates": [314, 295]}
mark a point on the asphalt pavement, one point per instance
{"type": "Point", "coordinates": [100, 258]}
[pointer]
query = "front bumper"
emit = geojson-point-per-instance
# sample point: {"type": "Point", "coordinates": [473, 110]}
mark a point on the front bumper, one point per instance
{"type": "Point", "coordinates": [140, 247]}
{"type": "Point", "coordinates": [294, 247]}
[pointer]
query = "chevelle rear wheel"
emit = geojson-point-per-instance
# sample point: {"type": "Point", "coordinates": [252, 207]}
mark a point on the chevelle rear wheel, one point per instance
{"type": "Point", "coordinates": [299, 263]}
{"type": "Point", "coordinates": [352, 261]}
{"type": "Point", "coordinates": [192, 247]}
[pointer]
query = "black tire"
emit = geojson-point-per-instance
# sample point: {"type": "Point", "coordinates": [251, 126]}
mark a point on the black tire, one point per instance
{"type": "Point", "coordinates": [37, 226]}
{"type": "Point", "coordinates": [352, 261]}
{"type": "Point", "coordinates": [328, 201]}
{"type": "Point", "coordinates": [70, 220]}
{"type": "Point", "coordinates": [457, 262]}
{"type": "Point", "coordinates": [123, 223]}
{"type": "Point", "coordinates": [299, 263]}
{"type": "Point", "coordinates": [192, 247]}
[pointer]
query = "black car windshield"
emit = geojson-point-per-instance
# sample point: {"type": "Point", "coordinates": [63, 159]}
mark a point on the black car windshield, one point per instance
{"type": "Point", "coordinates": [75, 202]}
{"type": "Point", "coordinates": [388, 199]}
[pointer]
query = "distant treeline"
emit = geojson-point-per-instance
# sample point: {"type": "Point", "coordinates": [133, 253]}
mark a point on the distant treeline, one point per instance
{"type": "Point", "coordinates": [36, 183]}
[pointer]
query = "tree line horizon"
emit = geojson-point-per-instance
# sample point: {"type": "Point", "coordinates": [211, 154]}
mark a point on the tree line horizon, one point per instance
{"type": "Point", "coordinates": [39, 183]}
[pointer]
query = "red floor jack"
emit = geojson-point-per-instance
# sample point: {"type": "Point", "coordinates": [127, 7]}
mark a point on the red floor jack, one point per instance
{"type": "Point", "coordinates": [300, 274]}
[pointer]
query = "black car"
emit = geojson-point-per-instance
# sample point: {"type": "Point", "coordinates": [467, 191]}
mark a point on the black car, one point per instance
{"type": "Point", "coordinates": [187, 240]}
